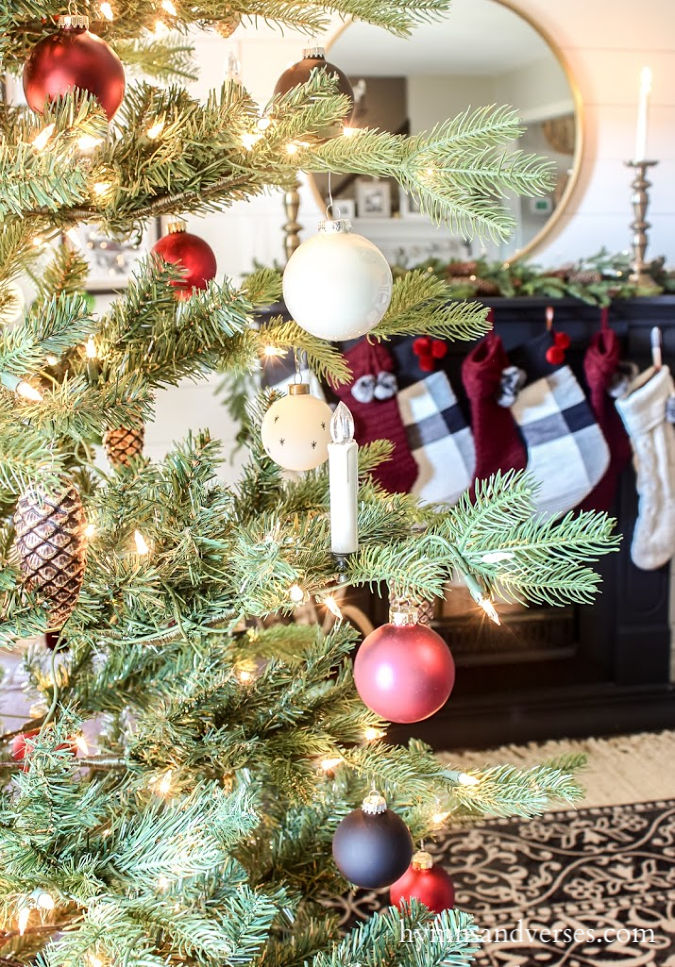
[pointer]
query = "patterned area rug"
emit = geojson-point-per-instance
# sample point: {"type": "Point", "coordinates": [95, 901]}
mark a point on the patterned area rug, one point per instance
{"type": "Point", "coordinates": [603, 879]}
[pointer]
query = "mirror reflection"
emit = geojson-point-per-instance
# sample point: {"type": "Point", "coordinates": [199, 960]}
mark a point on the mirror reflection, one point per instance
{"type": "Point", "coordinates": [483, 53]}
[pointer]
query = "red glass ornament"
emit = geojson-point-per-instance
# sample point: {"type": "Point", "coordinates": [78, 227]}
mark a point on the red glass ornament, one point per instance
{"type": "Point", "coordinates": [404, 672]}
{"type": "Point", "coordinates": [190, 253]}
{"type": "Point", "coordinates": [424, 881]}
{"type": "Point", "coordinates": [21, 747]}
{"type": "Point", "coordinates": [73, 57]}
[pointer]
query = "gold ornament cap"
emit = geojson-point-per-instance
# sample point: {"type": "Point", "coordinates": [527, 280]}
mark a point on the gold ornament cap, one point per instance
{"type": "Point", "coordinates": [374, 804]}
{"type": "Point", "coordinates": [72, 21]}
{"type": "Point", "coordinates": [176, 225]}
{"type": "Point", "coordinates": [298, 389]}
{"type": "Point", "coordinates": [422, 860]}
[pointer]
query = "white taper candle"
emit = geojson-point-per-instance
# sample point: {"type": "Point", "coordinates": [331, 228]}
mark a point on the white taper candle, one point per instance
{"type": "Point", "coordinates": [343, 469]}
{"type": "Point", "coordinates": [643, 105]}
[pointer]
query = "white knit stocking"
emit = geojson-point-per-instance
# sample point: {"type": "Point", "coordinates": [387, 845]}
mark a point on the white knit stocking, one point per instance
{"type": "Point", "coordinates": [643, 411]}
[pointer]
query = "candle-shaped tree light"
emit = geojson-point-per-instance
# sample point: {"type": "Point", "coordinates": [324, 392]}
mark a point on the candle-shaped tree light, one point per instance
{"type": "Point", "coordinates": [343, 467]}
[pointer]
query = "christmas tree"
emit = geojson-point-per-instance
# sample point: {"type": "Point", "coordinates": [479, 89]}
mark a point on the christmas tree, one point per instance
{"type": "Point", "coordinates": [231, 742]}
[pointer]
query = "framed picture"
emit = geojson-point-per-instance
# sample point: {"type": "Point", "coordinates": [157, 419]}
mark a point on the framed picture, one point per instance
{"type": "Point", "coordinates": [111, 261]}
{"type": "Point", "coordinates": [373, 198]}
{"type": "Point", "coordinates": [408, 205]}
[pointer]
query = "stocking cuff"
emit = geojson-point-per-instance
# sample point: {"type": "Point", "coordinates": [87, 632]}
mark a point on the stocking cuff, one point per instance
{"type": "Point", "coordinates": [644, 407]}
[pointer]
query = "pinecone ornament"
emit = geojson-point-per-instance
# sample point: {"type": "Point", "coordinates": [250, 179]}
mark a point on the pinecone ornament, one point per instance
{"type": "Point", "coordinates": [123, 444]}
{"type": "Point", "coordinates": [426, 610]}
{"type": "Point", "coordinates": [51, 546]}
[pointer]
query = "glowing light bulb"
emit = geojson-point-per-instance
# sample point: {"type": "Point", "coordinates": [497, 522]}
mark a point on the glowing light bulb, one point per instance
{"type": "Point", "coordinates": [273, 351]}
{"type": "Point", "coordinates": [45, 901]}
{"type": "Point", "coordinates": [291, 148]}
{"type": "Point", "coordinates": [349, 132]}
{"type": "Point", "coordinates": [162, 883]}
{"type": "Point", "coordinates": [439, 818]}
{"type": "Point", "coordinates": [496, 557]}
{"type": "Point", "coordinates": [161, 29]}
{"type": "Point", "coordinates": [169, 7]}
{"type": "Point", "coordinates": [250, 138]}
{"type": "Point", "coordinates": [52, 360]}
{"type": "Point", "coordinates": [141, 543]}
{"type": "Point", "coordinates": [107, 10]}
{"type": "Point", "coordinates": [464, 779]}
{"type": "Point", "coordinates": [164, 784]}
{"type": "Point", "coordinates": [41, 139]}
{"type": "Point", "coordinates": [94, 961]}
{"type": "Point", "coordinates": [296, 594]}
{"type": "Point", "coordinates": [244, 674]}
{"type": "Point", "coordinates": [28, 392]}
{"type": "Point", "coordinates": [155, 130]}
{"type": "Point", "coordinates": [490, 610]}
{"type": "Point", "coordinates": [329, 765]}
{"type": "Point", "coordinates": [87, 142]}
{"type": "Point", "coordinates": [90, 531]}
{"type": "Point", "coordinates": [372, 734]}
{"type": "Point", "coordinates": [102, 188]}
{"type": "Point", "coordinates": [90, 348]}
{"type": "Point", "coordinates": [22, 920]}
{"type": "Point", "coordinates": [82, 744]}
{"type": "Point", "coordinates": [333, 606]}
{"type": "Point", "coordinates": [264, 123]}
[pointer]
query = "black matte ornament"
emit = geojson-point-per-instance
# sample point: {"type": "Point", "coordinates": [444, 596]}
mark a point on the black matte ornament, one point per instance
{"type": "Point", "coordinates": [372, 849]}
{"type": "Point", "coordinates": [299, 73]}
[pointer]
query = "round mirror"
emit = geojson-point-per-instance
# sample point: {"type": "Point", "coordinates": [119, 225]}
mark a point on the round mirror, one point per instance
{"type": "Point", "coordinates": [484, 52]}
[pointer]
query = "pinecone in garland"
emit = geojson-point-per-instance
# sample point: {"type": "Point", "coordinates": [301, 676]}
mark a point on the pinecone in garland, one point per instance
{"type": "Point", "coordinates": [123, 444]}
{"type": "Point", "coordinates": [426, 610]}
{"type": "Point", "coordinates": [51, 546]}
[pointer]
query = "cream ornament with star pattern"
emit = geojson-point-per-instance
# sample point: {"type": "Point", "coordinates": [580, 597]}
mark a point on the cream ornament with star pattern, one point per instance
{"type": "Point", "coordinates": [295, 430]}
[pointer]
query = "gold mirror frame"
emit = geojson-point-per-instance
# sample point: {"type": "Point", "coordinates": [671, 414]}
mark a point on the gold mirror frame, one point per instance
{"type": "Point", "coordinates": [552, 222]}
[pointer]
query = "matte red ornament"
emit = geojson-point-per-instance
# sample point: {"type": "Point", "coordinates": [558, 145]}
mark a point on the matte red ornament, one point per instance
{"type": "Point", "coordinates": [404, 671]}
{"type": "Point", "coordinates": [562, 340]}
{"type": "Point", "coordinates": [296, 74]}
{"type": "Point", "coordinates": [424, 881]}
{"type": "Point", "coordinates": [21, 747]}
{"type": "Point", "coordinates": [73, 58]}
{"type": "Point", "coordinates": [190, 253]}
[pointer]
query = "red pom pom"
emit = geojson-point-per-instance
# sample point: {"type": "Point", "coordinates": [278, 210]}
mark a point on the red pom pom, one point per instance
{"type": "Point", "coordinates": [21, 747]}
{"type": "Point", "coordinates": [439, 349]}
{"type": "Point", "coordinates": [73, 58]}
{"type": "Point", "coordinates": [555, 355]}
{"type": "Point", "coordinates": [426, 364]}
{"type": "Point", "coordinates": [428, 883]}
{"type": "Point", "coordinates": [405, 673]}
{"type": "Point", "coordinates": [421, 346]}
{"type": "Point", "coordinates": [190, 253]}
{"type": "Point", "coordinates": [562, 340]}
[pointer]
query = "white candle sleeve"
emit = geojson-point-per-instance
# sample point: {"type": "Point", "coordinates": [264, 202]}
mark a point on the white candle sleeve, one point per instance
{"type": "Point", "coordinates": [343, 468]}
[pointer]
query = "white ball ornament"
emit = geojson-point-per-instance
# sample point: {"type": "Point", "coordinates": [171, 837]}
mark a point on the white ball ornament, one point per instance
{"type": "Point", "coordinates": [296, 430]}
{"type": "Point", "coordinates": [337, 284]}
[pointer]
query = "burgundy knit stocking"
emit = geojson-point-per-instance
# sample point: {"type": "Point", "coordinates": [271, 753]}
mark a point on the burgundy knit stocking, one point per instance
{"type": "Point", "coordinates": [499, 445]}
{"type": "Point", "coordinates": [372, 399]}
{"type": "Point", "coordinates": [600, 364]}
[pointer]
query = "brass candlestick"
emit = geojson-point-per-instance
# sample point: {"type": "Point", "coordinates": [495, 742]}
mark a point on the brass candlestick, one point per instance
{"type": "Point", "coordinates": [640, 202]}
{"type": "Point", "coordinates": [292, 227]}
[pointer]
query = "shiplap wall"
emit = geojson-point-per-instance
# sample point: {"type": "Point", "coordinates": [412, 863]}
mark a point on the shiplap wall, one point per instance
{"type": "Point", "coordinates": [606, 43]}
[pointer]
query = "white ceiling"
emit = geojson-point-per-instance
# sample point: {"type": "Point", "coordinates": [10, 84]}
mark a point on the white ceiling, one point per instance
{"type": "Point", "coordinates": [479, 37]}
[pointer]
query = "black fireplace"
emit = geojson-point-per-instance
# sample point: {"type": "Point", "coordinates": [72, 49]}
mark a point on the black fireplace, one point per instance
{"type": "Point", "coordinates": [578, 670]}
